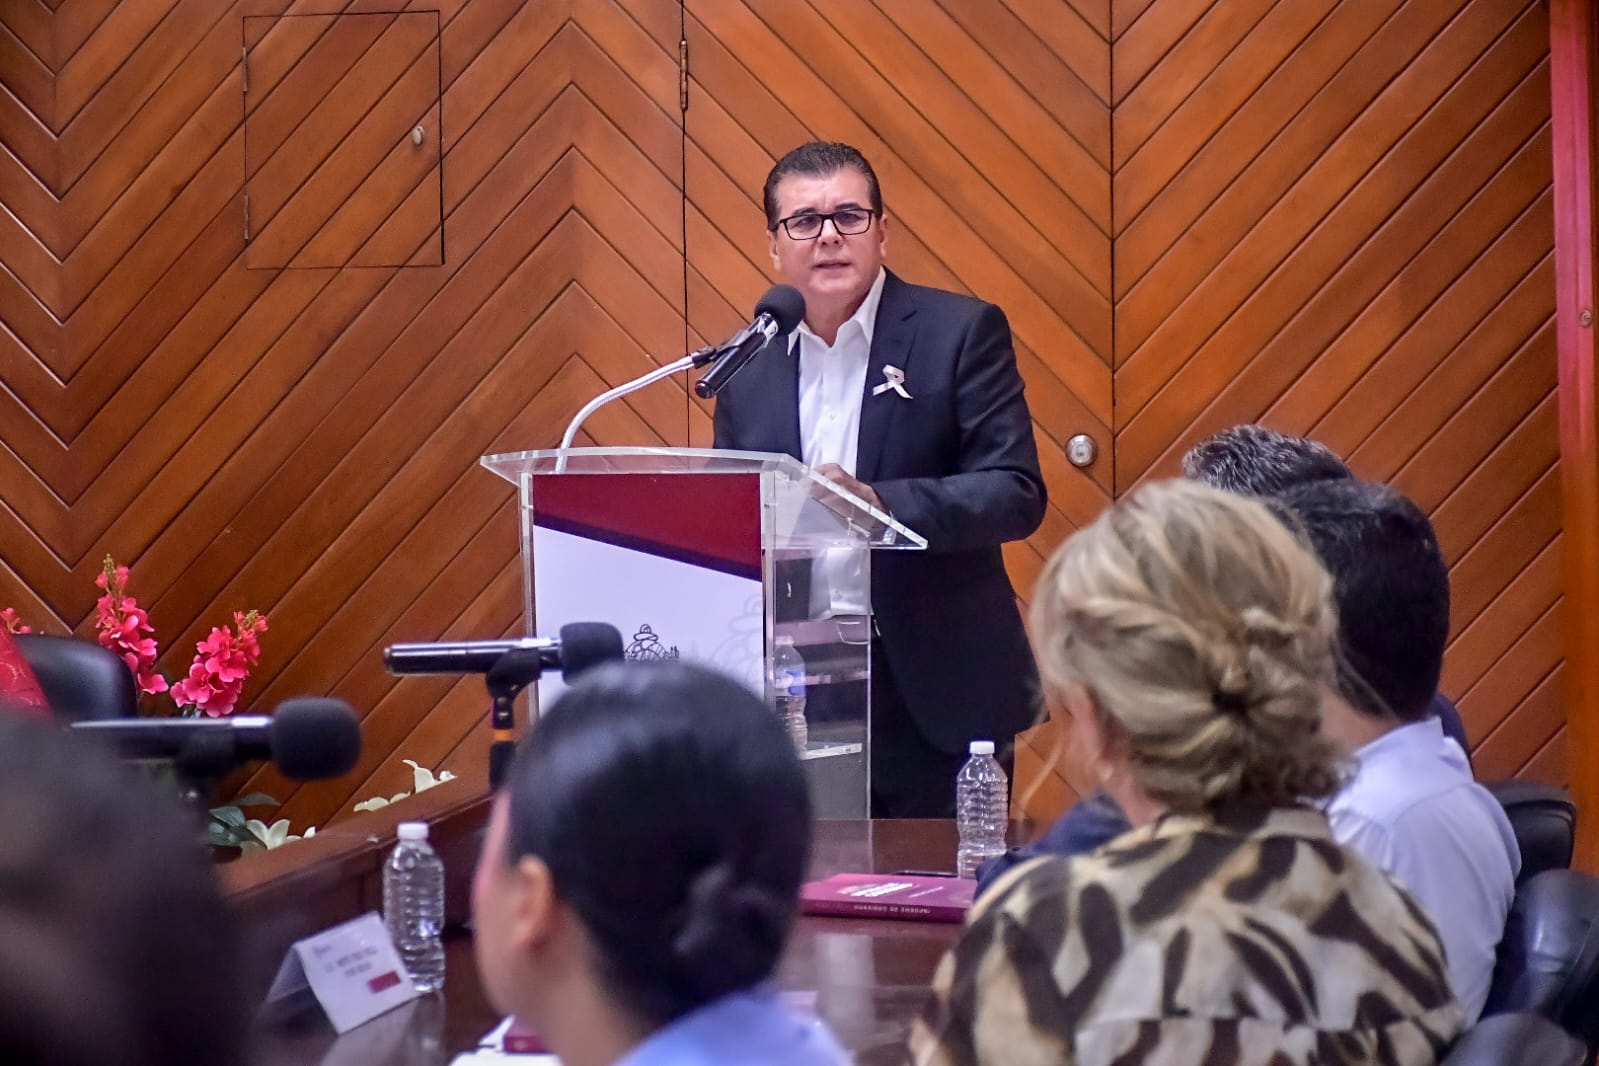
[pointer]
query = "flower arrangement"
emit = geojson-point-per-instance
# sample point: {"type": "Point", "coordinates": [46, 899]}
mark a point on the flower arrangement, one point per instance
{"type": "Point", "coordinates": [222, 662]}
{"type": "Point", "coordinates": [422, 779]}
{"type": "Point", "coordinates": [211, 687]}
{"type": "Point", "coordinates": [229, 827]}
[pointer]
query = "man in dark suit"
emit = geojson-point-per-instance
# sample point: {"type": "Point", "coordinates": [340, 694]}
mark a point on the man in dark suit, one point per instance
{"type": "Point", "coordinates": [910, 398]}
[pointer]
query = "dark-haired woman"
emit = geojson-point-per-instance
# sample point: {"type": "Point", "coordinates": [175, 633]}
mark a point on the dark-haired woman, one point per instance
{"type": "Point", "coordinates": [641, 875]}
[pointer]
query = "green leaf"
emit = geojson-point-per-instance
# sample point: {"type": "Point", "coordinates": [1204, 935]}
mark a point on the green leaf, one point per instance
{"type": "Point", "coordinates": [257, 799]}
{"type": "Point", "coordinates": [220, 836]}
{"type": "Point", "coordinates": [232, 817]}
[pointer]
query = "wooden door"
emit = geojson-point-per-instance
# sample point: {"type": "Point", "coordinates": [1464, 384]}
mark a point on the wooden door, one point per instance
{"type": "Point", "coordinates": [1336, 218]}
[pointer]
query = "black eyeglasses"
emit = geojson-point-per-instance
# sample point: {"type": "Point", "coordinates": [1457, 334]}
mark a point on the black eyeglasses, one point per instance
{"type": "Point", "coordinates": [807, 225]}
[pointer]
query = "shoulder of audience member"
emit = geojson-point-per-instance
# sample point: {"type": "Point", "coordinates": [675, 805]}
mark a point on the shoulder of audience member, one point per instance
{"type": "Point", "coordinates": [1381, 900]}
{"type": "Point", "coordinates": [1049, 877]}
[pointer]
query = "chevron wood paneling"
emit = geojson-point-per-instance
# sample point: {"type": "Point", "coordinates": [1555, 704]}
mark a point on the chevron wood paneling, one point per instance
{"type": "Point", "coordinates": [1330, 215]}
{"type": "Point", "coordinates": [305, 441]}
{"type": "Point", "coordinates": [1334, 217]}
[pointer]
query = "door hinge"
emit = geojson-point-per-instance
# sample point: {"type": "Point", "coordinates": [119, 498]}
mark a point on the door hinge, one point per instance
{"type": "Point", "coordinates": [247, 216]}
{"type": "Point", "coordinates": [682, 74]}
{"type": "Point", "coordinates": [244, 66]}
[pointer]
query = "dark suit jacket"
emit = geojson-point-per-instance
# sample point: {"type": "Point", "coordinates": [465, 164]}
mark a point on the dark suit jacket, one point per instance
{"type": "Point", "coordinates": [957, 464]}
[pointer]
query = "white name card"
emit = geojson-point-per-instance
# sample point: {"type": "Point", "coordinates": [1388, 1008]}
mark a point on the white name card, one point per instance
{"type": "Point", "coordinates": [352, 969]}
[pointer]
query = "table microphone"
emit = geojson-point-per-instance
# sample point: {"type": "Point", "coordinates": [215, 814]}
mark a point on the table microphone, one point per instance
{"type": "Point", "coordinates": [309, 739]}
{"type": "Point", "coordinates": [507, 666]}
{"type": "Point", "coordinates": [581, 645]}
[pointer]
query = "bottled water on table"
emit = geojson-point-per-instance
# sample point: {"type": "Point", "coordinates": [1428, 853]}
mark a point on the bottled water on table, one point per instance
{"type": "Point", "coordinates": [788, 690]}
{"type": "Point", "coordinates": [982, 808]}
{"type": "Point", "coordinates": [413, 906]}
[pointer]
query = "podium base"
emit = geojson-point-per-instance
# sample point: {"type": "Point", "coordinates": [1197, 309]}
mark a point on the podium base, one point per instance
{"type": "Point", "coordinates": [836, 773]}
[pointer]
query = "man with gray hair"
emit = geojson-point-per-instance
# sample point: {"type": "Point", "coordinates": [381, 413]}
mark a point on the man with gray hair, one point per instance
{"type": "Point", "coordinates": [1256, 461]}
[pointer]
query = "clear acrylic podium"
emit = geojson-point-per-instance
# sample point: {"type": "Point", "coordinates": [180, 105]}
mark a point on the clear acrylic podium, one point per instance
{"type": "Point", "coordinates": [712, 556]}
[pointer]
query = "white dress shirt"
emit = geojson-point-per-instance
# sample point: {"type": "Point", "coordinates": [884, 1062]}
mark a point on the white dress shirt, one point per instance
{"type": "Point", "coordinates": [1413, 809]}
{"type": "Point", "coordinates": [832, 380]}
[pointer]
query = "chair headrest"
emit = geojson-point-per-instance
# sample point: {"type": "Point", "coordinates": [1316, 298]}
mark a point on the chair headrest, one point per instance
{"type": "Point", "coordinates": [81, 680]}
{"type": "Point", "coordinates": [1544, 820]}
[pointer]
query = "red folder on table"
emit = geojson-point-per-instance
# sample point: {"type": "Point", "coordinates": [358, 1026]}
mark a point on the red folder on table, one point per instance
{"type": "Point", "coordinates": [903, 897]}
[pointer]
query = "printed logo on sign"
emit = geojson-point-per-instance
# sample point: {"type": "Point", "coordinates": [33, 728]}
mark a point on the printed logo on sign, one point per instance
{"type": "Point", "coordinates": [383, 981]}
{"type": "Point", "coordinates": [647, 648]}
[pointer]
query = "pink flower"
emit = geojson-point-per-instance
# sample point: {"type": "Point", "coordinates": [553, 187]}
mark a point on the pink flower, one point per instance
{"type": "Point", "coordinates": [224, 660]}
{"type": "Point", "coordinates": [11, 623]}
{"type": "Point", "coordinates": [121, 625]}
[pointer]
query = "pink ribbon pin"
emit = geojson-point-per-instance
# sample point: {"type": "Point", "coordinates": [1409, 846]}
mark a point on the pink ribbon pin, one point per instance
{"type": "Point", "coordinates": [895, 380]}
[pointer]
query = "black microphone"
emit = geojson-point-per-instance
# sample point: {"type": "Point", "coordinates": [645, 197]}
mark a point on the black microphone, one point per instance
{"type": "Point", "coordinates": [582, 645]}
{"type": "Point", "coordinates": [307, 739]}
{"type": "Point", "coordinates": [780, 310]}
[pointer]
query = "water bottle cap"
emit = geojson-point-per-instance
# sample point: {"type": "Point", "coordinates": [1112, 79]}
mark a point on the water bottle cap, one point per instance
{"type": "Point", "coordinates": [413, 830]}
{"type": "Point", "coordinates": [785, 641]}
{"type": "Point", "coordinates": [982, 747]}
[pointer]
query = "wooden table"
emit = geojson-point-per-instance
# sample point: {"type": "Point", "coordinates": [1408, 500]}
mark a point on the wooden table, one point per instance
{"type": "Point", "coordinates": [870, 977]}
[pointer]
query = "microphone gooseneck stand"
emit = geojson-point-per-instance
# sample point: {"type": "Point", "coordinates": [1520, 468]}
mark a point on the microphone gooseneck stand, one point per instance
{"type": "Point", "coordinates": [513, 672]}
{"type": "Point", "coordinates": [688, 362]}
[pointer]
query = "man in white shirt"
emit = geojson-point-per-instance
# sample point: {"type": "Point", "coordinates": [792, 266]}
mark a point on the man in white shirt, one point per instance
{"type": "Point", "coordinates": [1411, 805]}
{"type": "Point", "coordinates": [910, 398]}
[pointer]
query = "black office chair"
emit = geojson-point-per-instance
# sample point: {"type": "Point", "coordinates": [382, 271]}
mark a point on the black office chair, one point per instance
{"type": "Point", "coordinates": [1525, 1039]}
{"type": "Point", "coordinates": [1544, 820]}
{"type": "Point", "coordinates": [81, 680]}
{"type": "Point", "coordinates": [1549, 958]}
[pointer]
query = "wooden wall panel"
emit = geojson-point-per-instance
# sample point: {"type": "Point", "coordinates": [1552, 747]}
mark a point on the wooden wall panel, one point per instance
{"type": "Point", "coordinates": [1335, 217]}
{"type": "Point", "coordinates": [306, 441]}
{"type": "Point", "coordinates": [1330, 215]}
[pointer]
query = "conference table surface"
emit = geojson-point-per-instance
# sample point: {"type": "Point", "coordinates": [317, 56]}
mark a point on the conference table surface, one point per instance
{"type": "Point", "coordinates": [870, 977]}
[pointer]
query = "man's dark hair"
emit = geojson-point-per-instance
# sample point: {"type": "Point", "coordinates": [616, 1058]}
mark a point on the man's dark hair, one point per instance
{"type": "Point", "coordinates": [1257, 461]}
{"type": "Point", "coordinates": [1392, 589]}
{"type": "Point", "coordinates": [673, 815]}
{"type": "Point", "coordinates": [117, 944]}
{"type": "Point", "coordinates": [820, 158]}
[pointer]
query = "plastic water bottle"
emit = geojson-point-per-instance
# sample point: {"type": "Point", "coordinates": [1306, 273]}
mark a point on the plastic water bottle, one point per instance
{"type": "Point", "coordinates": [413, 906]}
{"type": "Point", "coordinates": [788, 691]}
{"type": "Point", "coordinates": [982, 807]}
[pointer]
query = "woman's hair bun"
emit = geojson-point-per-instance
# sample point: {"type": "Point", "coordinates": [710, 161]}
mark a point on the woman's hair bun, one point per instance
{"type": "Point", "coordinates": [1204, 631]}
{"type": "Point", "coordinates": [730, 931]}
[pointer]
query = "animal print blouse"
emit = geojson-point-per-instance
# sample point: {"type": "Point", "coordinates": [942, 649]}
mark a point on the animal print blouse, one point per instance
{"type": "Point", "coordinates": [1249, 940]}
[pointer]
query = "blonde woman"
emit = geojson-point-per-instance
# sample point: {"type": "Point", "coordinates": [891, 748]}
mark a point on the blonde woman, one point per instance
{"type": "Point", "coordinates": [1189, 636]}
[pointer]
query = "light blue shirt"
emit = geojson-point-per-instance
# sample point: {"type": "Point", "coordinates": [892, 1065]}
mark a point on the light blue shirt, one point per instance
{"type": "Point", "coordinates": [1413, 809]}
{"type": "Point", "coordinates": [745, 1028]}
